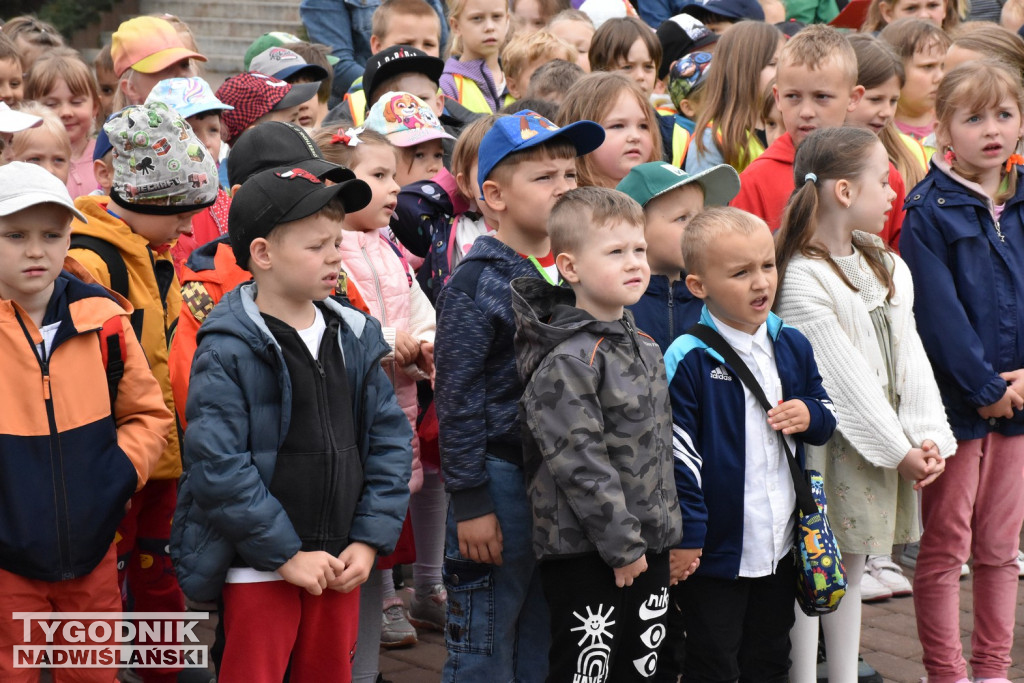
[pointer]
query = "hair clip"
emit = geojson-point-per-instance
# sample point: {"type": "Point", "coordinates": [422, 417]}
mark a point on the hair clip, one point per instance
{"type": "Point", "coordinates": [1014, 160]}
{"type": "Point", "coordinates": [810, 178]}
{"type": "Point", "coordinates": [350, 137]}
{"type": "Point", "coordinates": [949, 156]}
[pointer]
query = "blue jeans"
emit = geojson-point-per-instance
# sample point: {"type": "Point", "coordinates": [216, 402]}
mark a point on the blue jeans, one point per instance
{"type": "Point", "coordinates": [345, 27]}
{"type": "Point", "coordinates": [498, 627]}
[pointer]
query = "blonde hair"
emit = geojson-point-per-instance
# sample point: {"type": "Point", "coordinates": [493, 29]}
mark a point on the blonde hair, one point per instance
{"type": "Point", "coordinates": [975, 86]}
{"type": "Point", "coordinates": [51, 124]}
{"type": "Point", "coordinates": [579, 212]}
{"type": "Point", "coordinates": [910, 36]}
{"type": "Point", "coordinates": [819, 45]}
{"type": "Point", "coordinates": [466, 150]}
{"type": "Point", "coordinates": [707, 226]}
{"type": "Point", "coordinates": [571, 15]}
{"type": "Point", "coordinates": [956, 11]}
{"type": "Point", "coordinates": [61, 64]}
{"type": "Point", "coordinates": [338, 152]}
{"type": "Point", "coordinates": [592, 98]}
{"type": "Point", "coordinates": [992, 41]}
{"type": "Point", "coordinates": [611, 43]}
{"type": "Point", "coordinates": [455, 9]}
{"type": "Point", "coordinates": [523, 50]}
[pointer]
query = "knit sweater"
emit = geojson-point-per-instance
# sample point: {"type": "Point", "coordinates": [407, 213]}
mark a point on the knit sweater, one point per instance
{"type": "Point", "coordinates": [836, 320]}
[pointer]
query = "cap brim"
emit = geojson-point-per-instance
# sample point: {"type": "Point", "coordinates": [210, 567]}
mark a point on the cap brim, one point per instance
{"type": "Point", "coordinates": [721, 184]}
{"type": "Point", "coordinates": [202, 107]}
{"type": "Point", "coordinates": [313, 71]}
{"type": "Point", "coordinates": [31, 198]}
{"type": "Point", "coordinates": [409, 138]}
{"type": "Point", "coordinates": [355, 194]}
{"type": "Point", "coordinates": [300, 92]}
{"type": "Point", "coordinates": [16, 121]}
{"type": "Point", "coordinates": [585, 136]}
{"type": "Point", "coordinates": [431, 67]}
{"type": "Point", "coordinates": [159, 61]}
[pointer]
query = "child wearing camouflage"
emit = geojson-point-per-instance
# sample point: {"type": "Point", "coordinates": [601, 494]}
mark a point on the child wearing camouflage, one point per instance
{"type": "Point", "coordinates": [604, 509]}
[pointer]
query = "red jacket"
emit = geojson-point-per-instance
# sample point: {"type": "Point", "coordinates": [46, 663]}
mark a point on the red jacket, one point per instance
{"type": "Point", "coordinates": [767, 183]}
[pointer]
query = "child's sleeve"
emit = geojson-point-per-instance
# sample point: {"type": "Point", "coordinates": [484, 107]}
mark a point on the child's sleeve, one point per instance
{"type": "Point", "coordinates": [224, 480]}
{"type": "Point", "coordinates": [684, 389]}
{"type": "Point", "coordinates": [819, 405]}
{"type": "Point", "coordinates": [576, 457]}
{"type": "Point", "coordinates": [422, 317]}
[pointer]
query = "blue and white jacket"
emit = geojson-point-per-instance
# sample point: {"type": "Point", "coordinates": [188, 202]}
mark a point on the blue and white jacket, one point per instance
{"type": "Point", "coordinates": [709, 440]}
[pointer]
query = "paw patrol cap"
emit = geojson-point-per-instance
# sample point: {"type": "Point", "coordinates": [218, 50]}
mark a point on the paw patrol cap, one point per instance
{"type": "Point", "coordinates": [405, 119]}
{"type": "Point", "coordinates": [160, 166]}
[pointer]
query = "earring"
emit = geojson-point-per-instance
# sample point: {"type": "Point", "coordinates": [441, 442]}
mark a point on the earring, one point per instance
{"type": "Point", "coordinates": [950, 155]}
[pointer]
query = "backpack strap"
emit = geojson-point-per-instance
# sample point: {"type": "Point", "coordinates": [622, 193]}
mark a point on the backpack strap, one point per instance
{"type": "Point", "coordinates": [114, 349]}
{"type": "Point", "coordinates": [111, 257]}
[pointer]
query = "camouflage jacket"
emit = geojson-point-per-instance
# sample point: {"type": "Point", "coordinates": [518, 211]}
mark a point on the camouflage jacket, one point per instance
{"type": "Point", "coordinates": [597, 430]}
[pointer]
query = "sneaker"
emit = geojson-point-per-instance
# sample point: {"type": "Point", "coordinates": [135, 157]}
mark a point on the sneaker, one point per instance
{"type": "Point", "coordinates": [1020, 563]}
{"type": "Point", "coordinates": [889, 574]}
{"type": "Point", "coordinates": [395, 629]}
{"type": "Point", "coordinates": [964, 570]}
{"type": "Point", "coordinates": [908, 558]}
{"type": "Point", "coordinates": [873, 590]}
{"type": "Point", "coordinates": [429, 610]}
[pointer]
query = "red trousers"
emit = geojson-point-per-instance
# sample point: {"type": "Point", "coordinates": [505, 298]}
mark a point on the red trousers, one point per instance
{"type": "Point", "coordinates": [268, 624]}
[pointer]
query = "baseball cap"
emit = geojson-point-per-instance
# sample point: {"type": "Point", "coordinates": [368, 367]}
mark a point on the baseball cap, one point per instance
{"type": "Point", "coordinates": [148, 45]}
{"type": "Point", "coordinates": [275, 39]}
{"type": "Point", "coordinates": [733, 9]}
{"type": "Point", "coordinates": [12, 121]}
{"type": "Point", "coordinates": [102, 145]}
{"type": "Point", "coordinates": [187, 96]}
{"type": "Point", "coordinates": [280, 143]}
{"type": "Point", "coordinates": [282, 63]}
{"type": "Point", "coordinates": [399, 59]}
{"type": "Point", "coordinates": [160, 166]}
{"type": "Point", "coordinates": [23, 185]}
{"type": "Point", "coordinates": [527, 129]}
{"type": "Point", "coordinates": [283, 194]}
{"type": "Point", "coordinates": [405, 119]}
{"type": "Point", "coordinates": [253, 95]}
{"type": "Point", "coordinates": [645, 182]}
{"type": "Point", "coordinates": [679, 36]}
{"type": "Point", "coordinates": [687, 74]}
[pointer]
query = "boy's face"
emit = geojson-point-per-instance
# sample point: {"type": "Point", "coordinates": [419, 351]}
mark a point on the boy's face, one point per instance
{"type": "Point", "coordinates": [304, 259]}
{"type": "Point", "coordinates": [525, 198]}
{"type": "Point", "coordinates": [579, 34]}
{"type": "Point", "coordinates": [422, 32]}
{"type": "Point", "coordinates": [33, 244]}
{"type": "Point", "coordinates": [924, 72]}
{"type": "Point", "coordinates": [138, 85]}
{"type": "Point", "coordinates": [312, 111]}
{"type": "Point", "coordinates": [416, 84]}
{"type": "Point", "coordinates": [207, 129]}
{"type": "Point", "coordinates": [288, 115]}
{"type": "Point", "coordinates": [12, 85]}
{"type": "Point", "coordinates": [810, 99]}
{"type": "Point", "coordinates": [667, 217]}
{"type": "Point", "coordinates": [107, 82]}
{"type": "Point", "coordinates": [639, 66]}
{"type": "Point", "coordinates": [738, 281]}
{"type": "Point", "coordinates": [609, 270]}
{"type": "Point", "coordinates": [518, 86]}
{"type": "Point", "coordinates": [159, 231]}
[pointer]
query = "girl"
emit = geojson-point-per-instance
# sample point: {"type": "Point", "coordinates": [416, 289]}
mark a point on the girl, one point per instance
{"type": "Point", "coordinates": [533, 15]}
{"type": "Point", "coordinates": [744, 66]}
{"type": "Point", "coordinates": [575, 28]}
{"type": "Point", "coordinates": [946, 14]}
{"type": "Point", "coordinates": [854, 301]}
{"type": "Point", "coordinates": [631, 131]}
{"type": "Point", "coordinates": [46, 145]}
{"type": "Point", "coordinates": [627, 45]}
{"type": "Point", "coordinates": [982, 39]}
{"type": "Point", "coordinates": [410, 125]}
{"type": "Point", "coordinates": [962, 238]}
{"type": "Point", "coordinates": [472, 75]}
{"type": "Point", "coordinates": [64, 83]}
{"type": "Point", "coordinates": [922, 47]}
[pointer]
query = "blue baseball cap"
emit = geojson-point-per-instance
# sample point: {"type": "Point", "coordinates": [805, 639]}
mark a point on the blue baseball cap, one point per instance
{"type": "Point", "coordinates": [186, 96]}
{"type": "Point", "coordinates": [731, 9]}
{"type": "Point", "coordinates": [528, 129]}
{"type": "Point", "coordinates": [102, 145]}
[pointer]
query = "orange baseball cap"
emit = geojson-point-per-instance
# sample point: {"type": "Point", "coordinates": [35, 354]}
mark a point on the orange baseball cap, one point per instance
{"type": "Point", "coordinates": [148, 45]}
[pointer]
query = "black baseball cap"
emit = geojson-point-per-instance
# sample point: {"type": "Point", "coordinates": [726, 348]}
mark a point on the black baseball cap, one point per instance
{"type": "Point", "coordinates": [395, 60]}
{"type": "Point", "coordinates": [279, 143]}
{"type": "Point", "coordinates": [679, 36]}
{"type": "Point", "coordinates": [283, 194]}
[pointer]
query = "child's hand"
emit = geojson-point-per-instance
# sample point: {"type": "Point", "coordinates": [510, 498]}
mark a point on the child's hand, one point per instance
{"type": "Point", "coordinates": [312, 571]}
{"type": "Point", "coordinates": [425, 362]}
{"type": "Point", "coordinates": [407, 349]}
{"type": "Point", "coordinates": [480, 539]}
{"type": "Point", "coordinates": [358, 559]}
{"type": "Point", "coordinates": [1015, 378]}
{"type": "Point", "coordinates": [682, 562]}
{"type": "Point", "coordinates": [792, 417]}
{"type": "Point", "coordinates": [1003, 407]}
{"type": "Point", "coordinates": [921, 467]}
{"type": "Point", "coordinates": [624, 575]}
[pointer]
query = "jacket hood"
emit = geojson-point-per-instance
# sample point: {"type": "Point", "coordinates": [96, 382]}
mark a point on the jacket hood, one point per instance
{"type": "Point", "coordinates": [472, 69]}
{"type": "Point", "coordinates": [546, 316]}
{"type": "Point", "coordinates": [782, 150]}
{"type": "Point", "coordinates": [133, 246]}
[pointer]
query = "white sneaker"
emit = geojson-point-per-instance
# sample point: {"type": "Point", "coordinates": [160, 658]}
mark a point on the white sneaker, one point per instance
{"type": "Point", "coordinates": [873, 590]}
{"type": "Point", "coordinates": [1020, 563]}
{"type": "Point", "coordinates": [889, 574]}
{"type": "Point", "coordinates": [965, 570]}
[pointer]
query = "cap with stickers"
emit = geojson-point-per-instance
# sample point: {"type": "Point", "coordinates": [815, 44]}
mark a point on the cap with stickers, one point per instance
{"type": "Point", "coordinates": [687, 74]}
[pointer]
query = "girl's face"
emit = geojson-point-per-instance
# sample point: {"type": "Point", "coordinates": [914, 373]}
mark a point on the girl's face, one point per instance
{"type": "Point", "coordinates": [40, 147]}
{"type": "Point", "coordinates": [773, 126]}
{"type": "Point", "coordinates": [871, 197]}
{"type": "Point", "coordinates": [375, 164]}
{"type": "Point", "coordinates": [628, 141]}
{"type": "Point", "coordinates": [420, 162]}
{"type": "Point", "coordinates": [877, 107]}
{"type": "Point", "coordinates": [76, 112]}
{"type": "Point", "coordinates": [208, 129]}
{"type": "Point", "coordinates": [482, 25]}
{"type": "Point", "coordinates": [768, 72]}
{"type": "Point", "coordinates": [924, 71]}
{"type": "Point", "coordinates": [579, 34]}
{"type": "Point", "coordinates": [933, 11]}
{"type": "Point", "coordinates": [983, 140]}
{"type": "Point", "coordinates": [12, 85]}
{"type": "Point", "coordinates": [639, 66]}
{"type": "Point", "coordinates": [529, 17]}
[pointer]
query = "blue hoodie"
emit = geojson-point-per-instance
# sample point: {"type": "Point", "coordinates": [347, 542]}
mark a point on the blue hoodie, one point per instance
{"type": "Point", "coordinates": [666, 311]}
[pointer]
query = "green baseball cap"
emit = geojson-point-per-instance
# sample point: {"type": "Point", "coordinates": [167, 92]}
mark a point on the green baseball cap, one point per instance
{"type": "Point", "coordinates": [275, 39]}
{"type": "Point", "coordinates": [645, 182]}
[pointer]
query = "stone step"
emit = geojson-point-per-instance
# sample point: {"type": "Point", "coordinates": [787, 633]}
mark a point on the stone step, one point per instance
{"type": "Point", "coordinates": [271, 10]}
{"type": "Point", "coordinates": [220, 28]}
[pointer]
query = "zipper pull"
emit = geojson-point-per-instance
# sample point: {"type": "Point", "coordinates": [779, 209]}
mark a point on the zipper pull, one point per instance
{"type": "Point", "coordinates": [46, 386]}
{"type": "Point", "coordinates": [999, 231]}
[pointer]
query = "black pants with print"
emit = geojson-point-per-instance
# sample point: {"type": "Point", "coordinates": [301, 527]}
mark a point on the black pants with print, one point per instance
{"type": "Point", "coordinates": [601, 633]}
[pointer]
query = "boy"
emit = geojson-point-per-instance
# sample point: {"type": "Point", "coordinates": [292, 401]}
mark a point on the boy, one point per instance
{"type": "Point", "coordinates": [552, 80]}
{"type": "Point", "coordinates": [290, 67]}
{"type": "Point", "coordinates": [60, 385]}
{"type": "Point", "coordinates": [146, 50]}
{"type": "Point", "coordinates": [603, 518]}
{"type": "Point", "coordinates": [732, 475]}
{"type": "Point", "coordinates": [12, 74]}
{"type": "Point", "coordinates": [106, 82]}
{"type": "Point", "coordinates": [298, 456]}
{"type": "Point", "coordinates": [497, 618]}
{"type": "Point", "coordinates": [524, 54]}
{"type": "Point", "coordinates": [313, 112]}
{"type": "Point", "coordinates": [256, 97]}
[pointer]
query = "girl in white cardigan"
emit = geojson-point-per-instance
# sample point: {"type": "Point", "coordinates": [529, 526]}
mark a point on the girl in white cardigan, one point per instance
{"type": "Point", "coordinates": [854, 301]}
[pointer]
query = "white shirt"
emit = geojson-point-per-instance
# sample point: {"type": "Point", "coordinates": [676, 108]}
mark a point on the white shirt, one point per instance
{"type": "Point", "coordinates": [769, 501]}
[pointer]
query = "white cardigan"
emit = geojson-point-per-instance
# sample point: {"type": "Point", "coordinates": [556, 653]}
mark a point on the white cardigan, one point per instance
{"type": "Point", "coordinates": [836, 320]}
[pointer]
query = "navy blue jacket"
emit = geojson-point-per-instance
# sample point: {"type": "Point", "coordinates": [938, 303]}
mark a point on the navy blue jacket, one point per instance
{"type": "Point", "coordinates": [477, 389]}
{"type": "Point", "coordinates": [968, 296]}
{"type": "Point", "coordinates": [666, 311]}
{"type": "Point", "coordinates": [239, 406]}
{"type": "Point", "coordinates": [709, 436]}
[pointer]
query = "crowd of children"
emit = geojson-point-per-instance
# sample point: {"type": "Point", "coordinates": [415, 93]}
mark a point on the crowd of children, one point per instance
{"type": "Point", "coordinates": [448, 289]}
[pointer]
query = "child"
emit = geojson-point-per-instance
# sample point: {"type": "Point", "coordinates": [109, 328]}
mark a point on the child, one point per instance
{"type": "Point", "coordinates": [497, 618]}
{"type": "Point", "coordinates": [854, 302]}
{"type": "Point", "coordinates": [290, 67]}
{"type": "Point", "coordinates": [631, 130]}
{"type": "Point", "coordinates": [922, 47]}
{"type": "Point", "coordinates": [627, 45]}
{"type": "Point", "coordinates": [526, 53]}
{"type": "Point", "coordinates": [686, 81]}
{"type": "Point", "coordinates": [771, 118]}
{"type": "Point", "coordinates": [746, 56]}
{"type": "Point", "coordinates": [530, 16]}
{"type": "Point", "coordinates": [12, 74]}
{"type": "Point", "coordinates": [411, 126]}
{"type": "Point", "coordinates": [977, 508]}
{"type": "Point", "coordinates": [946, 14]}
{"type": "Point", "coordinates": [980, 40]}
{"type": "Point", "coordinates": [256, 98]}
{"type": "Point", "coordinates": [125, 245]}
{"type": "Point", "coordinates": [680, 36]}
{"type": "Point", "coordinates": [103, 164]}
{"type": "Point", "coordinates": [671, 198]}
{"type": "Point", "coordinates": [46, 145]}
{"type": "Point", "coordinates": [719, 15]}
{"type": "Point", "coordinates": [62, 82]}
{"type": "Point", "coordinates": [414, 23]}
{"type": "Point", "coordinates": [32, 37]}
{"type": "Point", "coordinates": [312, 113]}
{"type": "Point", "coordinates": [315, 480]}
{"type": "Point", "coordinates": [551, 81]}
{"type": "Point", "coordinates": [575, 28]}
{"type": "Point", "coordinates": [472, 75]}
{"type": "Point", "coordinates": [146, 50]}
{"type": "Point", "coordinates": [732, 476]}
{"type": "Point", "coordinates": [603, 549]}
{"type": "Point", "coordinates": [106, 82]}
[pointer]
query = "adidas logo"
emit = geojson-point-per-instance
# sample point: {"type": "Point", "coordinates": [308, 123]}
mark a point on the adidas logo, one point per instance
{"type": "Point", "coordinates": [721, 373]}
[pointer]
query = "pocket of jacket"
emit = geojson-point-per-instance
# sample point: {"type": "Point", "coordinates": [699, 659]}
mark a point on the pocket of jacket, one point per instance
{"type": "Point", "coordinates": [470, 627]}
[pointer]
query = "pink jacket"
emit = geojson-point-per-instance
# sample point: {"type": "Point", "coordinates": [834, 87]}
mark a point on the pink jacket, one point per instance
{"type": "Point", "coordinates": [391, 292]}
